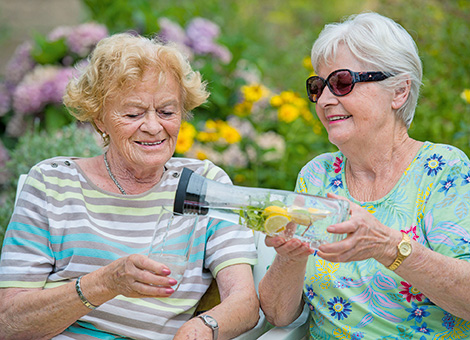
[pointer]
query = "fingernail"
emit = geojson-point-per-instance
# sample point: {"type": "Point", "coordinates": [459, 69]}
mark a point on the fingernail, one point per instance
{"type": "Point", "coordinates": [172, 282]}
{"type": "Point", "coordinates": [166, 271]}
{"type": "Point", "coordinates": [169, 290]}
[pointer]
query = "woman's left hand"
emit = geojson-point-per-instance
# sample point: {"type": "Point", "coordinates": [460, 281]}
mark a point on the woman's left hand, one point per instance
{"type": "Point", "coordinates": [366, 238]}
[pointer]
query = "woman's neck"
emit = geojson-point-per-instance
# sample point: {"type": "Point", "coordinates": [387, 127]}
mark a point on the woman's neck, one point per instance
{"type": "Point", "coordinates": [371, 172]}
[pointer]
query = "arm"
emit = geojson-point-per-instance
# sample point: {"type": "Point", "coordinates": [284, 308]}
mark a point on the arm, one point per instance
{"type": "Point", "coordinates": [426, 270]}
{"type": "Point", "coordinates": [281, 288]}
{"type": "Point", "coordinates": [41, 314]}
{"type": "Point", "coordinates": [238, 310]}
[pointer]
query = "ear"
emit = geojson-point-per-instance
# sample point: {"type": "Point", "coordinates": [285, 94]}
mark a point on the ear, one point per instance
{"type": "Point", "coordinates": [99, 124]}
{"type": "Point", "coordinates": [401, 94]}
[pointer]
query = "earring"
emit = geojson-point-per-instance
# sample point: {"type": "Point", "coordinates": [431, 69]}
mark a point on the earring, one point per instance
{"type": "Point", "coordinates": [104, 135]}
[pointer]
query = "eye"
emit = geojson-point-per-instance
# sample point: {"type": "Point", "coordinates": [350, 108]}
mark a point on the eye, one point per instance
{"type": "Point", "coordinates": [166, 113]}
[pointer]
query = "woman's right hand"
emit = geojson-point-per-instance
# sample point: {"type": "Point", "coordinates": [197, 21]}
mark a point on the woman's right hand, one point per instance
{"type": "Point", "coordinates": [134, 276]}
{"type": "Point", "coordinates": [293, 249]}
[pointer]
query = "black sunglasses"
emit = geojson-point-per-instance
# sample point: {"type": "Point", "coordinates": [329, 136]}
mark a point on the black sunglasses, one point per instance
{"type": "Point", "coordinates": [340, 82]}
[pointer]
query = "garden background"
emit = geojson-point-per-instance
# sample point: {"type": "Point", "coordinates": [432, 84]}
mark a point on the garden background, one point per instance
{"type": "Point", "coordinates": [257, 124]}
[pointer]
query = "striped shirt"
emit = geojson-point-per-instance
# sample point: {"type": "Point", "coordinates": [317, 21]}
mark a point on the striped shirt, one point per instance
{"type": "Point", "coordinates": [64, 226]}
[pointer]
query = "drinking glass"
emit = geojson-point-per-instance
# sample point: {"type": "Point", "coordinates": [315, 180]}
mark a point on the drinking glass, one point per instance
{"type": "Point", "coordinates": [172, 241]}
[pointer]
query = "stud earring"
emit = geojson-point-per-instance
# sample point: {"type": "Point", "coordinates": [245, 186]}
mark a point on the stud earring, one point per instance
{"type": "Point", "coordinates": [104, 135]}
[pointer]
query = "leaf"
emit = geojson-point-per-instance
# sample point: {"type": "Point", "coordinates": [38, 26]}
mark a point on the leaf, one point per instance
{"type": "Point", "coordinates": [48, 52]}
{"type": "Point", "coordinates": [461, 210]}
{"type": "Point", "coordinates": [55, 118]}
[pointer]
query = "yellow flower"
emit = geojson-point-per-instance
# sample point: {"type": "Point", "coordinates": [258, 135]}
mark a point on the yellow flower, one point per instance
{"type": "Point", "coordinates": [183, 144]}
{"type": "Point", "coordinates": [243, 109]}
{"type": "Point", "coordinates": [465, 95]}
{"type": "Point", "coordinates": [201, 155]}
{"type": "Point", "coordinates": [288, 96]}
{"type": "Point", "coordinates": [254, 92]}
{"type": "Point", "coordinates": [207, 137]}
{"type": "Point", "coordinates": [185, 137]}
{"type": "Point", "coordinates": [230, 134]}
{"type": "Point", "coordinates": [187, 129]}
{"type": "Point", "coordinates": [288, 113]}
{"type": "Point", "coordinates": [276, 101]}
{"type": "Point", "coordinates": [299, 102]}
{"type": "Point", "coordinates": [307, 63]}
{"type": "Point", "coordinates": [210, 125]}
{"type": "Point", "coordinates": [306, 114]}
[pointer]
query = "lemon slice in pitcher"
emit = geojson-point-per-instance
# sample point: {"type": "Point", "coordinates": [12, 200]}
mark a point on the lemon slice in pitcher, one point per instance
{"type": "Point", "coordinates": [275, 224]}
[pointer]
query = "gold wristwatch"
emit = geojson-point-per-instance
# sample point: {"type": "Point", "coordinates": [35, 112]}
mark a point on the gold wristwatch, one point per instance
{"type": "Point", "coordinates": [404, 250]}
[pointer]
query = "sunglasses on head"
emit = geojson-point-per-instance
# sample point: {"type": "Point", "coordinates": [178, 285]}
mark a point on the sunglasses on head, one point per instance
{"type": "Point", "coordinates": [340, 82]}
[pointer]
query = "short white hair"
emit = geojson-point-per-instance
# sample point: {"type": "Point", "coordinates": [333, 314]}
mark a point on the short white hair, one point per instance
{"type": "Point", "coordinates": [379, 43]}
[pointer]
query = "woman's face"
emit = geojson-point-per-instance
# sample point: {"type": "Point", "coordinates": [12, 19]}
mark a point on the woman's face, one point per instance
{"type": "Point", "coordinates": [143, 122]}
{"type": "Point", "coordinates": [361, 117]}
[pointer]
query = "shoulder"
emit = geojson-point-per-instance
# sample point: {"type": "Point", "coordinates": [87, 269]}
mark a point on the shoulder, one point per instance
{"type": "Point", "coordinates": [448, 155]}
{"type": "Point", "coordinates": [324, 163]}
{"type": "Point", "coordinates": [204, 168]}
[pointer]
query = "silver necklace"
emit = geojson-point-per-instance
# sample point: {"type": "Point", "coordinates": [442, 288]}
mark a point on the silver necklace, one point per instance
{"type": "Point", "coordinates": [112, 176]}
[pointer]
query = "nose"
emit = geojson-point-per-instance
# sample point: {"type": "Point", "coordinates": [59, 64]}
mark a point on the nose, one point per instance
{"type": "Point", "coordinates": [151, 123]}
{"type": "Point", "coordinates": [326, 97]}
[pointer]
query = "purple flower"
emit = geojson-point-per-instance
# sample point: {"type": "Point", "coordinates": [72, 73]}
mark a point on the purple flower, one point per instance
{"type": "Point", "coordinates": [19, 64]}
{"type": "Point", "coordinates": [45, 85]}
{"type": "Point", "coordinates": [202, 29]}
{"type": "Point", "coordinates": [5, 101]}
{"type": "Point", "coordinates": [59, 32]}
{"type": "Point", "coordinates": [171, 31]}
{"type": "Point", "coordinates": [84, 37]}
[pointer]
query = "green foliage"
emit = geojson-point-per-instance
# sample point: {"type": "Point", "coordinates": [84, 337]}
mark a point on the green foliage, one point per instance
{"type": "Point", "coordinates": [268, 41]}
{"type": "Point", "coordinates": [48, 52]}
{"type": "Point", "coordinates": [122, 15]}
{"type": "Point", "coordinates": [71, 140]}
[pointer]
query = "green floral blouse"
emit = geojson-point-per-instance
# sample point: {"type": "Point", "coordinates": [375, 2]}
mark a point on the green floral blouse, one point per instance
{"type": "Point", "coordinates": [365, 300]}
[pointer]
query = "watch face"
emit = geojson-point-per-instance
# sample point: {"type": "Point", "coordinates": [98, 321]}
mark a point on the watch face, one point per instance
{"type": "Point", "coordinates": [405, 249]}
{"type": "Point", "coordinates": [210, 321]}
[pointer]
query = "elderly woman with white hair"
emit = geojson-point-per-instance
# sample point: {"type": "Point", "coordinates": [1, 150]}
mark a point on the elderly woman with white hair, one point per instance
{"type": "Point", "coordinates": [402, 269]}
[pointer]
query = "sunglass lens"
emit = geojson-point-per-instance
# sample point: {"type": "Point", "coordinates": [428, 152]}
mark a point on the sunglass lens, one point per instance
{"type": "Point", "coordinates": [315, 88]}
{"type": "Point", "coordinates": [341, 82]}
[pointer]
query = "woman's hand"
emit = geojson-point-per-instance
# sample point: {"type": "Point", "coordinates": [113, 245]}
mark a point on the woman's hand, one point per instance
{"type": "Point", "coordinates": [367, 238]}
{"type": "Point", "coordinates": [134, 276]}
{"type": "Point", "coordinates": [293, 249]}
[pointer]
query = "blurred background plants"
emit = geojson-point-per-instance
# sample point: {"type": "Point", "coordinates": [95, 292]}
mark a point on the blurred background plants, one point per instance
{"type": "Point", "coordinates": [257, 124]}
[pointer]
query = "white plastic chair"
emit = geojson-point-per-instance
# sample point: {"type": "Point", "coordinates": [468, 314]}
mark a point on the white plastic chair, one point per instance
{"type": "Point", "coordinates": [263, 330]}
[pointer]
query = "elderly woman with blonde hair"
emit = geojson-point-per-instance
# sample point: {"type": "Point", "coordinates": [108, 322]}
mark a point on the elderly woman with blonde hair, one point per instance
{"type": "Point", "coordinates": [74, 262]}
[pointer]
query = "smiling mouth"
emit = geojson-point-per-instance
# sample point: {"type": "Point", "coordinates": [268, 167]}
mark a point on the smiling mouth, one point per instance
{"type": "Point", "coordinates": [335, 118]}
{"type": "Point", "coordinates": [150, 144]}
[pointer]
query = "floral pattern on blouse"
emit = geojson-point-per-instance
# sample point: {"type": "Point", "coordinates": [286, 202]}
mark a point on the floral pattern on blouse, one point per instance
{"type": "Point", "coordinates": [365, 300]}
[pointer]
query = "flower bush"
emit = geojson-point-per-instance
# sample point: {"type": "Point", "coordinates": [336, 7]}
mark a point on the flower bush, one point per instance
{"type": "Point", "coordinates": [257, 124]}
{"type": "Point", "coordinates": [37, 74]}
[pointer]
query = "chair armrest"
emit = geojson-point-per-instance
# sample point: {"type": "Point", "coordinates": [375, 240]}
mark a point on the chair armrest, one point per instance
{"type": "Point", "coordinates": [297, 330]}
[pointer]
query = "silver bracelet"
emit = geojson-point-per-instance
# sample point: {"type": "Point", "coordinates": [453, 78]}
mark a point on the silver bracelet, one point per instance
{"type": "Point", "coordinates": [81, 296]}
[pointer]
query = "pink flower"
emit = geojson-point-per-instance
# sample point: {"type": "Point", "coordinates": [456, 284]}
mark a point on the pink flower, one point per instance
{"type": "Point", "coordinates": [411, 232]}
{"type": "Point", "coordinates": [410, 293]}
{"type": "Point", "coordinates": [337, 165]}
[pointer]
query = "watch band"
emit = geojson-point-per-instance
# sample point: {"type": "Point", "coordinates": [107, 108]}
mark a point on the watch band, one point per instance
{"type": "Point", "coordinates": [404, 250]}
{"type": "Point", "coordinates": [210, 322]}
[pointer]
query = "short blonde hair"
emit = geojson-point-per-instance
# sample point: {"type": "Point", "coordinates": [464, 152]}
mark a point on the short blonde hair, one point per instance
{"type": "Point", "coordinates": [118, 63]}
